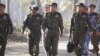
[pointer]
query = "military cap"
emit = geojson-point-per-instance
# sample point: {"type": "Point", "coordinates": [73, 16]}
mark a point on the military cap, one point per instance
{"type": "Point", "coordinates": [81, 4]}
{"type": "Point", "coordinates": [2, 5]}
{"type": "Point", "coordinates": [34, 7]}
{"type": "Point", "coordinates": [54, 4]}
{"type": "Point", "coordinates": [92, 5]}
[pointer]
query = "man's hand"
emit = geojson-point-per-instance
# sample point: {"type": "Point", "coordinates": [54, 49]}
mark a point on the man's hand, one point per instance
{"type": "Point", "coordinates": [22, 32]}
{"type": "Point", "coordinates": [61, 35]}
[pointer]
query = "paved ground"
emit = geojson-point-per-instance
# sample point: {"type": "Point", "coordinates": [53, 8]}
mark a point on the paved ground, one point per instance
{"type": "Point", "coordinates": [21, 49]}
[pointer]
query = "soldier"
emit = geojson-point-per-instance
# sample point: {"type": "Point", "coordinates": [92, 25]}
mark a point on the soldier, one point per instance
{"type": "Point", "coordinates": [47, 11]}
{"type": "Point", "coordinates": [33, 22]}
{"type": "Point", "coordinates": [79, 26]}
{"type": "Point", "coordinates": [93, 17]}
{"type": "Point", "coordinates": [87, 39]}
{"type": "Point", "coordinates": [53, 22]}
{"type": "Point", "coordinates": [6, 28]}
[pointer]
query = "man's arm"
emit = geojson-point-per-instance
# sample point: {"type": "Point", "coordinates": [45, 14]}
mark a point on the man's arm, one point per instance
{"type": "Point", "coordinates": [23, 28]}
{"type": "Point", "coordinates": [44, 26]}
{"type": "Point", "coordinates": [89, 24]}
{"type": "Point", "coordinates": [61, 24]}
{"type": "Point", "coordinates": [44, 23]}
{"type": "Point", "coordinates": [25, 23]}
{"type": "Point", "coordinates": [9, 25]}
{"type": "Point", "coordinates": [72, 26]}
{"type": "Point", "coordinates": [97, 18]}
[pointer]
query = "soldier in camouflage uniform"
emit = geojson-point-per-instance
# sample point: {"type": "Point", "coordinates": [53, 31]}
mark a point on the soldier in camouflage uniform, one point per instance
{"type": "Point", "coordinates": [79, 26]}
{"type": "Point", "coordinates": [34, 22]}
{"type": "Point", "coordinates": [93, 17]}
{"type": "Point", "coordinates": [47, 10]}
{"type": "Point", "coordinates": [5, 29]}
{"type": "Point", "coordinates": [53, 22]}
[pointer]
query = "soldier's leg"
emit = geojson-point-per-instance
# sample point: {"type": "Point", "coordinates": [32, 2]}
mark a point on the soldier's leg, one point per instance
{"type": "Point", "coordinates": [30, 44]}
{"type": "Point", "coordinates": [81, 43]}
{"type": "Point", "coordinates": [47, 44]}
{"type": "Point", "coordinates": [97, 52]}
{"type": "Point", "coordinates": [37, 50]}
{"type": "Point", "coordinates": [86, 44]}
{"type": "Point", "coordinates": [80, 47]}
{"type": "Point", "coordinates": [3, 45]}
{"type": "Point", "coordinates": [36, 43]}
{"type": "Point", "coordinates": [95, 42]}
{"type": "Point", "coordinates": [76, 41]}
{"type": "Point", "coordinates": [55, 40]}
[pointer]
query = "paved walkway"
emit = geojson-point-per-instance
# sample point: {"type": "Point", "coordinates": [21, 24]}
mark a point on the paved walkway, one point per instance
{"type": "Point", "coordinates": [21, 49]}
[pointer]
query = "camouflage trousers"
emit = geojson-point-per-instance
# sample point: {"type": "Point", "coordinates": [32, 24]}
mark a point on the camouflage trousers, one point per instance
{"type": "Point", "coordinates": [86, 44]}
{"type": "Point", "coordinates": [79, 40]}
{"type": "Point", "coordinates": [34, 40]}
{"type": "Point", "coordinates": [95, 41]}
{"type": "Point", "coordinates": [3, 42]}
{"type": "Point", "coordinates": [51, 43]}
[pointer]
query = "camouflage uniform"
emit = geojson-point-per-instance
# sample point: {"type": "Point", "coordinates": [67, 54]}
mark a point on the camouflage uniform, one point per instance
{"type": "Point", "coordinates": [79, 26]}
{"type": "Point", "coordinates": [53, 22]}
{"type": "Point", "coordinates": [93, 17]}
{"type": "Point", "coordinates": [98, 27]}
{"type": "Point", "coordinates": [33, 23]}
{"type": "Point", "coordinates": [5, 29]}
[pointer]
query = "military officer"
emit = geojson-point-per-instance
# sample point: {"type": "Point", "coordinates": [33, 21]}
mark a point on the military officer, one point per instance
{"type": "Point", "coordinates": [93, 17]}
{"type": "Point", "coordinates": [34, 23]}
{"type": "Point", "coordinates": [54, 24]}
{"type": "Point", "coordinates": [6, 28]}
{"type": "Point", "coordinates": [79, 26]}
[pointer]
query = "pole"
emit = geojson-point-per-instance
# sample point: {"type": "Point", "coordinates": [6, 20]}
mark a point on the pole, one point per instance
{"type": "Point", "coordinates": [8, 7]}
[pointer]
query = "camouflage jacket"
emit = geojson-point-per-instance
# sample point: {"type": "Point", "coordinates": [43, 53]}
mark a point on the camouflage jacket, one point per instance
{"type": "Point", "coordinates": [33, 23]}
{"type": "Point", "coordinates": [53, 22]}
{"type": "Point", "coordinates": [6, 26]}
{"type": "Point", "coordinates": [80, 22]}
{"type": "Point", "coordinates": [93, 18]}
